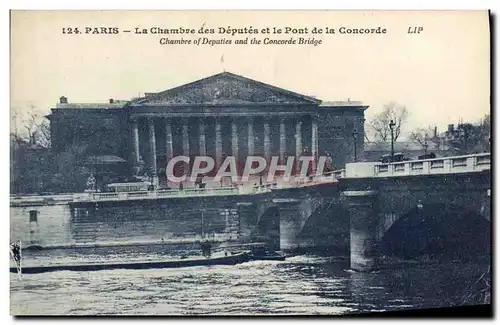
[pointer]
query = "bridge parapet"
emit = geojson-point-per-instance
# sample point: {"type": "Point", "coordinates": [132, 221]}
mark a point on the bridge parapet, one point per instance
{"type": "Point", "coordinates": [445, 165]}
{"type": "Point", "coordinates": [117, 196]}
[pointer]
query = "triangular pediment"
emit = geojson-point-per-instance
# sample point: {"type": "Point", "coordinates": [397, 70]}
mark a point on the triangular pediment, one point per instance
{"type": "Point", "coordinates": [224, 89]}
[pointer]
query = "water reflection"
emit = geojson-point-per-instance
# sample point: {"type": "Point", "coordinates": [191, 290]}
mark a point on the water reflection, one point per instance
{"type": "Point", "coordinates": [304, 284]}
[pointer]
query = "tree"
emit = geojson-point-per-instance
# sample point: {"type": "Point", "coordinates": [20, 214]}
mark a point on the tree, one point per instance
{"type": "Point", "coordinates": [379, 125]}
{"type": "Point", "coordinates": [424, 136]}
{"type": "Point", "coordinates": [71, 176]}
{"type": "Point", "coordinates": [30, 124]}
{"type": "Point", "coordinates": [472, 138]}
{"type": "Point", "coordinates": [31, 161]}
{"type": "Point", "coordinates": [36, 129]}
{"type": "Point", "coordinates": [485, 131]}
{"type": "Point", "coordinates": [42, 134]}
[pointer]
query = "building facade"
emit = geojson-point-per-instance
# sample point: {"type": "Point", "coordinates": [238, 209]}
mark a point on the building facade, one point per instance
{"type": "Point", "coordinates": [219, 116]}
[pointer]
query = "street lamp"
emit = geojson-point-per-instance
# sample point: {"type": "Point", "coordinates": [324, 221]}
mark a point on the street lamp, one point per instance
{"type": "Point", "coordinates": [391, 126]}
{"type": "Point", "coordinates": [355, 136]}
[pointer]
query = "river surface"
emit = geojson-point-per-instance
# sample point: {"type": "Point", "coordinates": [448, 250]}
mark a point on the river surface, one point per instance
{"type": "Point", "coordinates": [305, 284]}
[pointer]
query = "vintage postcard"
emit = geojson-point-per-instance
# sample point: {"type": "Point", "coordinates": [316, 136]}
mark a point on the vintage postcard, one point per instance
{"type": "Point", "coordinates": [249, 162]}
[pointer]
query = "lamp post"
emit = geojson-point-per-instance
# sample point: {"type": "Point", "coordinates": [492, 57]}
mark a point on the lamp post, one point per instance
{"type": "Point", "coordinates": [355, 137]}
{"type": "Point", "coordinates": [466, 136]}
{"type": "Point", "coordinates": [391, 126]}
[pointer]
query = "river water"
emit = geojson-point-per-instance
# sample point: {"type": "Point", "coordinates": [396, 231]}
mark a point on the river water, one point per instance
{"type": "Point", "coordinates": [305, 284]}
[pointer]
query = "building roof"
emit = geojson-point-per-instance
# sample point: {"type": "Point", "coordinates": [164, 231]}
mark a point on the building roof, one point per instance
{"type": "Point", "coordinates": [341, 103]}
{"type": "Point", "coordinates": [224, 88]}
{"type": "Point", "coordinates": [114, 105]}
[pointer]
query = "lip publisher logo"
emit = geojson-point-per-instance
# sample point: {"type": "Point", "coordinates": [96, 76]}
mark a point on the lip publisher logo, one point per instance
{"type": "Point", "coordinates": [304, 166]}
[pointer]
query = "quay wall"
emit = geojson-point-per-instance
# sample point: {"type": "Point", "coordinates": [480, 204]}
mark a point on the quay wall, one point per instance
{"type": "Point", "coordinates": [125, 222]}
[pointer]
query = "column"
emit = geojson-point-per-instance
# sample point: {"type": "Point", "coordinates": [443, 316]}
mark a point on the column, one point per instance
{"type": "Point", "coordinates": [185, 137]}
{"type": "Point", "coordinates": [314, 142]}
{"type": "Point", "coordinates": [168, 140]}
{"type": "Point", "coordinates": [234, 139]}
{"type": "Point", "coordinates": [185, 144]}
{"type": "Point", "coordinates": [218, 144]}
{"type": "Point", "coordinates": [135, 141]}
{"type": "Point", "coordinates": [152, 148]}
{"type": "Point", "coordinates": [203, 143]}
{"type": "Point", "coordinates": [267, 141]}
{"type": "Point", "coordinates": [282, 140]}
{"type": "Point", "coordinates": [298, 145]}
{"type": "Point", "coordinates": [250, 137]}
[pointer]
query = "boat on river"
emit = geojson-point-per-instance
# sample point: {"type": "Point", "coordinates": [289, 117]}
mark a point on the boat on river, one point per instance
{"type": "Point", "coordinates": [232, 259]}
{"type": "Point", "coordinates": [267, 257]}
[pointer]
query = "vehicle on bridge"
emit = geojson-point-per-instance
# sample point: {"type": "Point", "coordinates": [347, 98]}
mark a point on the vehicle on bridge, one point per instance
{"type": "Point", "coordinates": [430, 155]}
{"type": "Point", "coordinates": [398, 157]}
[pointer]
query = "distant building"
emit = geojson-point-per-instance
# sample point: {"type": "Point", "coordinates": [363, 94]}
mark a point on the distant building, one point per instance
{"type": "Point", "coordinates": [222, 115]}
{"type": "Point", "coordinates": [462, 139]}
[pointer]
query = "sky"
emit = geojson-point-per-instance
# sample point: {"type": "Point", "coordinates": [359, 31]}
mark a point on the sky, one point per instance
{"type": "Point", "coordinates": [442, 74]}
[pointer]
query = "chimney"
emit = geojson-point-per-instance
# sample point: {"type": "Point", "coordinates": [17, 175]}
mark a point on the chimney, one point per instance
{"type": "Point", "coordinates": [63, 100]}
{"type": "Point", "coordinates": [111, 100]}
{"type": "Point", "coordinates": [435, 131]}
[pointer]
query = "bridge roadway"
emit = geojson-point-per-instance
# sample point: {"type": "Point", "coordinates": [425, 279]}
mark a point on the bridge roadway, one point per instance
{"type": "Point", "coordinates": [37, 200]}
{"type": "Point", "coordinates": [358, 210]}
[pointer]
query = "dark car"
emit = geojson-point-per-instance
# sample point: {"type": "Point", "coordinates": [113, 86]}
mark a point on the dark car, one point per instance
{"type": "Point", "coordinates": [430, 155]}
{"type": "Point", "coordinates": [398, 157]}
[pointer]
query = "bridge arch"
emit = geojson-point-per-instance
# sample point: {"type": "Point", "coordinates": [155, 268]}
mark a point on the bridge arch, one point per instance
{"type": "Point", "coordinates": [327, 228]}
{"type": "Point", "coordinates": [437, 229]}
{"type": "Point", "coordinates": [268, 227]}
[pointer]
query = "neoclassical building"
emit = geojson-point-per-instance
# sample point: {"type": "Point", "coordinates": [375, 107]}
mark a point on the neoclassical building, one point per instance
{"type": "Point", "coordinates": [218, 116]}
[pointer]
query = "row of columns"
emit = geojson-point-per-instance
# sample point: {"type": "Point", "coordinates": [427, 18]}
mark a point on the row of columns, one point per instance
{"type": "Point", "coordinates": [218, 140]}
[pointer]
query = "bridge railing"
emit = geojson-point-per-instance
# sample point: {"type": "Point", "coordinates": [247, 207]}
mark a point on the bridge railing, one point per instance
{"type": "Point", "coordinates": [444, 165]}
{"type": "Point", "coordinates": [328, 177]}
{"type": "Point", "coordinates": [113, 196]}
{"type": "Point", "coordinates": [16, 200]}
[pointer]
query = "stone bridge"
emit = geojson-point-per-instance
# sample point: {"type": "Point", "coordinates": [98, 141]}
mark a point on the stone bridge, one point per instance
{"type": "Point", "coordinates": [436, 206]}
{"type": "Point", "coordinates": [305, 215]}
{"type": "Point", "coordinates": [407, 209]}
{"type": "Point", "coordinates": [309, 216]}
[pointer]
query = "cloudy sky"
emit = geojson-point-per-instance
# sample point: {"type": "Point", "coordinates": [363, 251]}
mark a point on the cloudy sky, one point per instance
{"type": "Point", "coordinates": [441, 74]}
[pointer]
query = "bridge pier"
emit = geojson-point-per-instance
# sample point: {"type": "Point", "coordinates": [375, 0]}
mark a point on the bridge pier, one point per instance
{"type": "Point", "coordinates": [290, 214]}
{"type": "Point", "coordinates": [247, 212]}
{"type": "Point", "coordinates": [362, 207]}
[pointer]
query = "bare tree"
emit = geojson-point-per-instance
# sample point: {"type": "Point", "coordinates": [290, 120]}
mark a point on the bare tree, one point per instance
{"type": "Point", "coordinates": [36, 127]}
{"type": "Point", "coordinates": [42, 134]}
{"type": "Point", "coordinates": [30, 124]}
{"type": "Point", "coordinates": [379, 125]}
{"type": "Point", "coordinates": [424, 136]}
